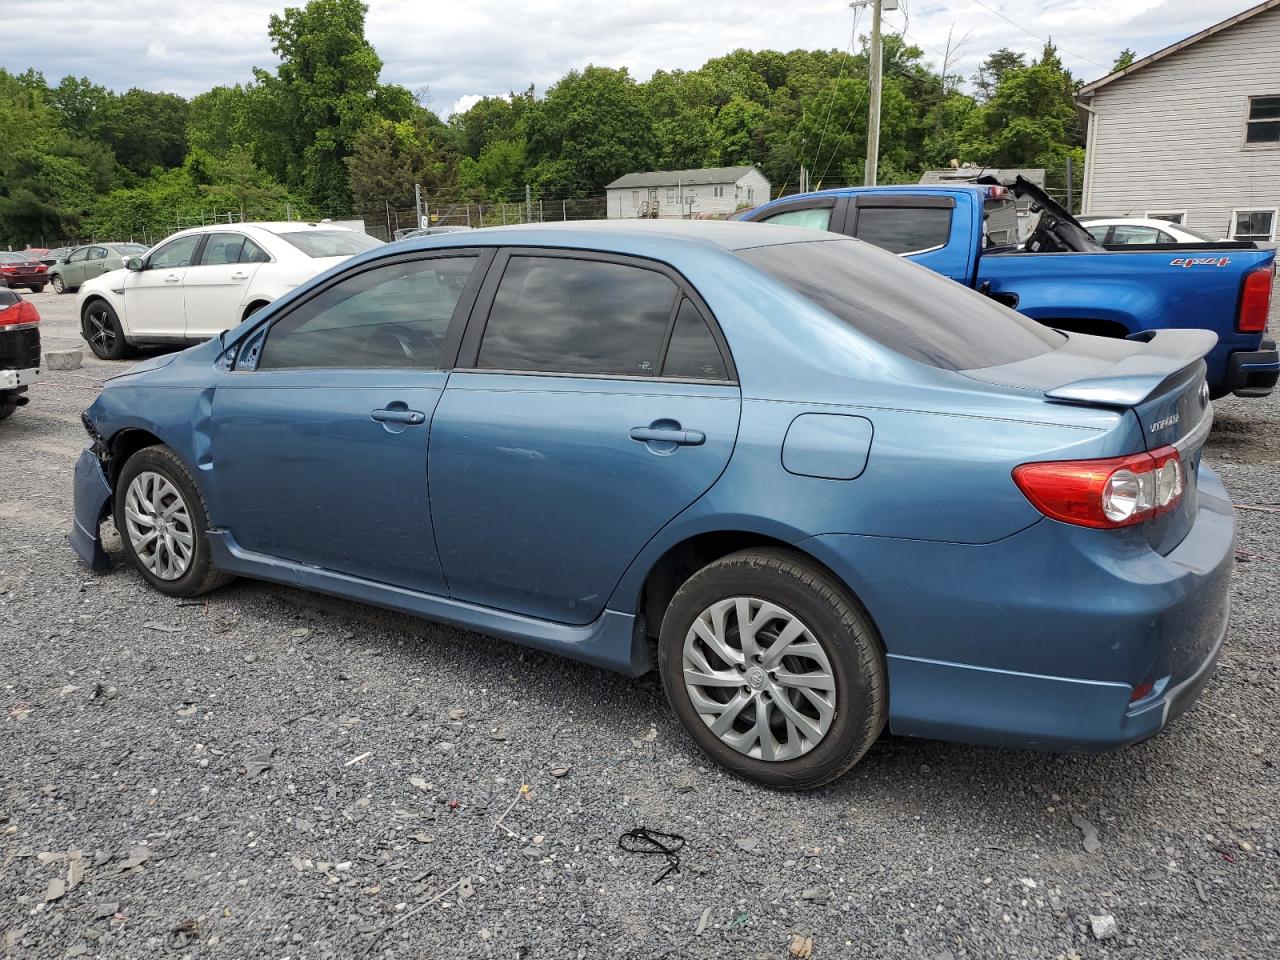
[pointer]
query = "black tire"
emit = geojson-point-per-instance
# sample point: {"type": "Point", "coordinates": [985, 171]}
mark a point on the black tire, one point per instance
{"type": "Point", "coordinates": [101, 329]}
{"type": "Point", "coordinates": [7, 406]}
{"type": "Point", "coordinates": [36, 287]}
{"type": "Point", "coordinates": [59, 285]}
{"type": "Point", "coordinates": [253, 308]}
{"type": "Point", "coordinates": [200, 575]}
{"type": "Point", "coordinates": [835, 620]}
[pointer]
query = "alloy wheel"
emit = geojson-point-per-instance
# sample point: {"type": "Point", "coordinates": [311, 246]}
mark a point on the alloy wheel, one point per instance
{"type": "Point", "coordinates": [759, 678]}
{"type": "Point", "coordinates": [158, 525]}
{"type": "Point", "coordinates": [102, 331]}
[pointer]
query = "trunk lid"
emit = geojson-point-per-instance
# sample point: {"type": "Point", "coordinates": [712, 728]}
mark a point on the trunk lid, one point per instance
{"type": "Point", "coordinates": [1158, 375]}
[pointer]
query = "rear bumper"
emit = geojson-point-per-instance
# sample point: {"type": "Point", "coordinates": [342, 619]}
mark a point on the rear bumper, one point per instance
{"type": "Point", "coordinates": [92, 497]}
{"type": "Point", "coordinates": [1040, 640]}
{"type": "Point", "coordinates": [1253, 373]}
{"type": "Point", "coordinates": [13, 379]}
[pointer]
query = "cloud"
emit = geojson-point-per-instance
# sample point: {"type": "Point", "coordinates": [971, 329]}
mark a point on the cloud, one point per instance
{"type": "Point", "coordinates": [463, 49]}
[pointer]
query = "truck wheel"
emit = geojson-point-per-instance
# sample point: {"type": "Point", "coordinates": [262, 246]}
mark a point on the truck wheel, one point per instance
{"type": "Point", "coordinates": [101, 330]}
{"type": "Point", "coordinates": [773, 668]}
{"type": "Point", "coordinates": [7, 406]}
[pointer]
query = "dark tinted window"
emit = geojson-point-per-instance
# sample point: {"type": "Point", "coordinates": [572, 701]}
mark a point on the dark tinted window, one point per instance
{"type": "Point", "coordinates": [692, 353]}
{"type": "Point", "coordinates": [392, 316]}
{"type": "Point", "coordinates": [1264, 120]}
{"type": "Point", "coordinates": [906, 307]}
{"type": "Point", "coordinates": [221, 249]}
{"type": "Point", "coordinates": [904, 229]}
{"type": "Point", "coordinates": [558, 315]}
{"type": "Point", "coordinates": [330, 243]}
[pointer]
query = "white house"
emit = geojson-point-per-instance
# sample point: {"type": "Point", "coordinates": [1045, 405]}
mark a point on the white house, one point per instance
{"type": "Point", "coordinates": [686, 193]}
{"type": "Point", "coordinates": [1192, 133]}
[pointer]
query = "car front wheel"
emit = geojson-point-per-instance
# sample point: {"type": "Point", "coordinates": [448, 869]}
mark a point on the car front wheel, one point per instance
{"type": "Point", "coordinates": [101, 330]}
{"type": "Point", "coordinates": [163, 522]}
{"type": "Point", "coordinates": [774, 669]}
{"type": "Point", "coordinates": [59, 286]}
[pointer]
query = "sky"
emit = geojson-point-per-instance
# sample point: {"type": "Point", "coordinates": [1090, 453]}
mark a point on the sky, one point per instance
{"type": "Point", "coordinates": [464, 49]}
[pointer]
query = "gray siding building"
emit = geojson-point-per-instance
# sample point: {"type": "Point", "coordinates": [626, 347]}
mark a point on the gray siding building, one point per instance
{"type": "Point", "coordinates": [1192, 133]}
{"type": "Point", "coordinates": [712, 191]}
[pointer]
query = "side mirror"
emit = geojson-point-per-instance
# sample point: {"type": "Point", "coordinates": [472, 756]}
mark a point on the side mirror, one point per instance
{"type": "Point", "coordinates": [133, 264]}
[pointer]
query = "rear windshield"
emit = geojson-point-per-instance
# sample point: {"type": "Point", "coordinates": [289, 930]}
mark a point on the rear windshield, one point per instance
{"type": "Point", "coordinates": [129, 249]}
{"type": "Point", "coordinates": [330, 243]}
{"type": "Point", "coordinates": [8, 257]}
{"type": "Point", "coordinates": [906, 307]}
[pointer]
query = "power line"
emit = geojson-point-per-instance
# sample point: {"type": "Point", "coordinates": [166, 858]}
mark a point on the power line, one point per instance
{"type": "Point", "coordinates": [1037, 36]}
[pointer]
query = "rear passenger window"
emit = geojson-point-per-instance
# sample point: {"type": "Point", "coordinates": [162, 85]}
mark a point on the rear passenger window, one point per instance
{"type": "Point", "coordinates": [904, 229]}
{"type": "Point", "coordinates": [692, 353]}
{"type": "Point", "coordinates": [561, 315]}
{"type": "Point", "coordinates": [221, 249]}
{"type": "Point", "coordinates": [252, 253]}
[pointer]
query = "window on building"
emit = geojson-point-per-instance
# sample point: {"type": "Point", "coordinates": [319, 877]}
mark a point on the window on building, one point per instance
{"type": "Point", "coordinates": [671, 194]}
{"type": "Point", "coordinates": [635, 198]}
{"type": "Point", "coordinates": [1170, 216]}
{"type": "Point", "coordinates": [1264, 120]}
{"type": "Point", "coordinates": [1253, 224]}
{"type": "Point", "coordinates": [718, 191]}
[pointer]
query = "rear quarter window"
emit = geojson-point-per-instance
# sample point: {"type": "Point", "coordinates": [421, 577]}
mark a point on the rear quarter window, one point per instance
{"type": "Point", "coordinates": [330, 243]}
{"type": "Point", "coordinates": [907, 308]}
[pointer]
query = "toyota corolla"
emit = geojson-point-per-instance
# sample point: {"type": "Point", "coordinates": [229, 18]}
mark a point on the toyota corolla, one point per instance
{"type": "Point", "coordinates": [822, 490]}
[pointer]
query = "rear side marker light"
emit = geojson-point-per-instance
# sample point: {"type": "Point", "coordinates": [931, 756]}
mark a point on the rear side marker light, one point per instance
{"type": "Point", "coordinates": [1108, 493]}
{"type": "Point", "coordinates": [1255, 300]}
{"type": "Point", "coordinates": [1140, 691]}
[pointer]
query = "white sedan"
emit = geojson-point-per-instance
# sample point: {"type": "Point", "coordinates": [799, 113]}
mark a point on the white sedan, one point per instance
{"type": "Point", "coordinates": [197, 283]}
{"type": "Point", "coordinates": [1141, 230]}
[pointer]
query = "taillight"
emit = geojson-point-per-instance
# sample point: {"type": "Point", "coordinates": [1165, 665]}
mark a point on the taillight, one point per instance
{"type": "Point", "coordinates": [20, 312]}
{"type": "Point", "coordinates": [1109, 493]}
{"type": "Point", "coordinates": [1255, 300]}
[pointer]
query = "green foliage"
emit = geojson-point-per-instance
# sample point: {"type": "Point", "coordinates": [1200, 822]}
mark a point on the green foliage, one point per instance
{"type": "Point", "coordinates": [322, 135]}
{"type": "Point", "coordinates": [1125, 59]}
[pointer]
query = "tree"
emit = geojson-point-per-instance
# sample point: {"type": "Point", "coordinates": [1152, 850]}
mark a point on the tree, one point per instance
{"type": "Point", "coordinates": [222, 118]}
{"type": "Point", "coordinates": [147, 130]}
{"type": "Point", "coordinates": [993, 69]}
{"type": "Point", "coordinates": [389, 157]}
{"type": "Point", "coordinates": [322, 95]}
{"type": "Point", "coordinates": [234, 182]}
{"type": "Point", "coordinates": [592, 127]}
{"type": "Point", "coordinates": [1125, 59]}
{"type": "Point", "coordinates": [498, 173]}
{"type": "Point", "coordinates": [84, 107]}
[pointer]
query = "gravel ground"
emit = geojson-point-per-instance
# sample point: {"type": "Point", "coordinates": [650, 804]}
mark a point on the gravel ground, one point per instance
{"type": "Point", "coordinates": [275, 774]}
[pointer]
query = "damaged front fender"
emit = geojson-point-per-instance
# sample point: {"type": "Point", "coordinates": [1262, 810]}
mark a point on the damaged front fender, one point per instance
{"type": "Point", "coordinates": [92, 499]}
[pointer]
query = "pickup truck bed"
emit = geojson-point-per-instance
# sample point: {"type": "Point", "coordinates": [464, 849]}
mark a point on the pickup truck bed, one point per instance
{"type": "Point", "coordinates": [1062, 276]}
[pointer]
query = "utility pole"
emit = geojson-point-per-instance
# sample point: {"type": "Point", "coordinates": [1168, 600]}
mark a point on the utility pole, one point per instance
{"type": "Point", "coordinates": [875, 54]}
{"type": "Point", "coordinates": [528, 204]}
{"type": "Point", "coordinates": [417, 204]}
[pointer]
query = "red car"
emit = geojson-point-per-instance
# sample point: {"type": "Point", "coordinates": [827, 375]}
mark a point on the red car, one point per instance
{"type": "Point", "coordinates": [19, 350]}
{"type": "Point", "coordinates": [19, 270]}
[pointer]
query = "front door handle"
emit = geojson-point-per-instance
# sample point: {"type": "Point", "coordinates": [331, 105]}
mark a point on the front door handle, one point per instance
{"type": "Point", "coordinates": [684, 438]}
{"type": "Point", "coordinates": [239, 276]}
{"type": "Point", "coordinates": [172, 278]}
{"type": "Point", "coordinates": [393, 415]}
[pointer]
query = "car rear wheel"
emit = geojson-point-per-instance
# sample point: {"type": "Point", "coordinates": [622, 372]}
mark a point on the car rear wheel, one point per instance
{"type": "Point", "coordinates": [101, 330]}
{"type": "Point", "coordinates": [773, 668]}
{"type": "Point", "coordinates": [36, 287]}
{"type": "Point", "coordinates": [59, 286]}
{"type": "Point", "coordinates": [163, 521]}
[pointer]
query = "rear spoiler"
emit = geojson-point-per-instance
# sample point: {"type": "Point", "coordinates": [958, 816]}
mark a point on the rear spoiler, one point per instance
{"type": "Point", "coordinates": [1132, 379]}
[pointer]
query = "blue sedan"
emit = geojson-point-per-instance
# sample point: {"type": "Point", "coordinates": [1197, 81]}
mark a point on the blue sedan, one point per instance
{"type": "Point", "coordinates": [822, 490]}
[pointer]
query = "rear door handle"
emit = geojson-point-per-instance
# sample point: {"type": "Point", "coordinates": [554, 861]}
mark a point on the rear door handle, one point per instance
{"type": "Point", "coordinates": [239, 276]}
{"type": "Point", "coordinates": [171, 278]}
{"type": "Point", "coordinates": [685, 438]}
{"type": "Point", "coordinates": [390, 415]}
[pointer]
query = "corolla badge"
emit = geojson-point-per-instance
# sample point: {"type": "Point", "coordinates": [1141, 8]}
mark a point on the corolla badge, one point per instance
{"type": "Point", "coordinates": [1165, 422]}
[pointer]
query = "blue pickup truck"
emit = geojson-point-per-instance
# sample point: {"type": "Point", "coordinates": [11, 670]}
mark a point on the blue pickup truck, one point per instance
{"type": "Point", "coordinates": [1061, 276]}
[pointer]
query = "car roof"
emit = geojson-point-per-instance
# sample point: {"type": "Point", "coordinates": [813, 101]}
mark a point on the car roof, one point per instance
{"type": "Point", "coordinates": [623, 236]}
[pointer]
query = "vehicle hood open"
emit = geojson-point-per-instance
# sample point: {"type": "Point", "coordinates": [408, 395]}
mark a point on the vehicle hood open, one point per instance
{"type": "Point", "coordinates": [1060, 222]}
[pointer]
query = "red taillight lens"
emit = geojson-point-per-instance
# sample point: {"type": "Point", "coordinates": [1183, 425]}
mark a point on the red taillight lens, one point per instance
{"type": "Point", "coordinates": [20, 312]}
{"type": "Point", "coordinates": [1255, 300]}
{"type": "Point", "coordinates": [1110, 493]}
